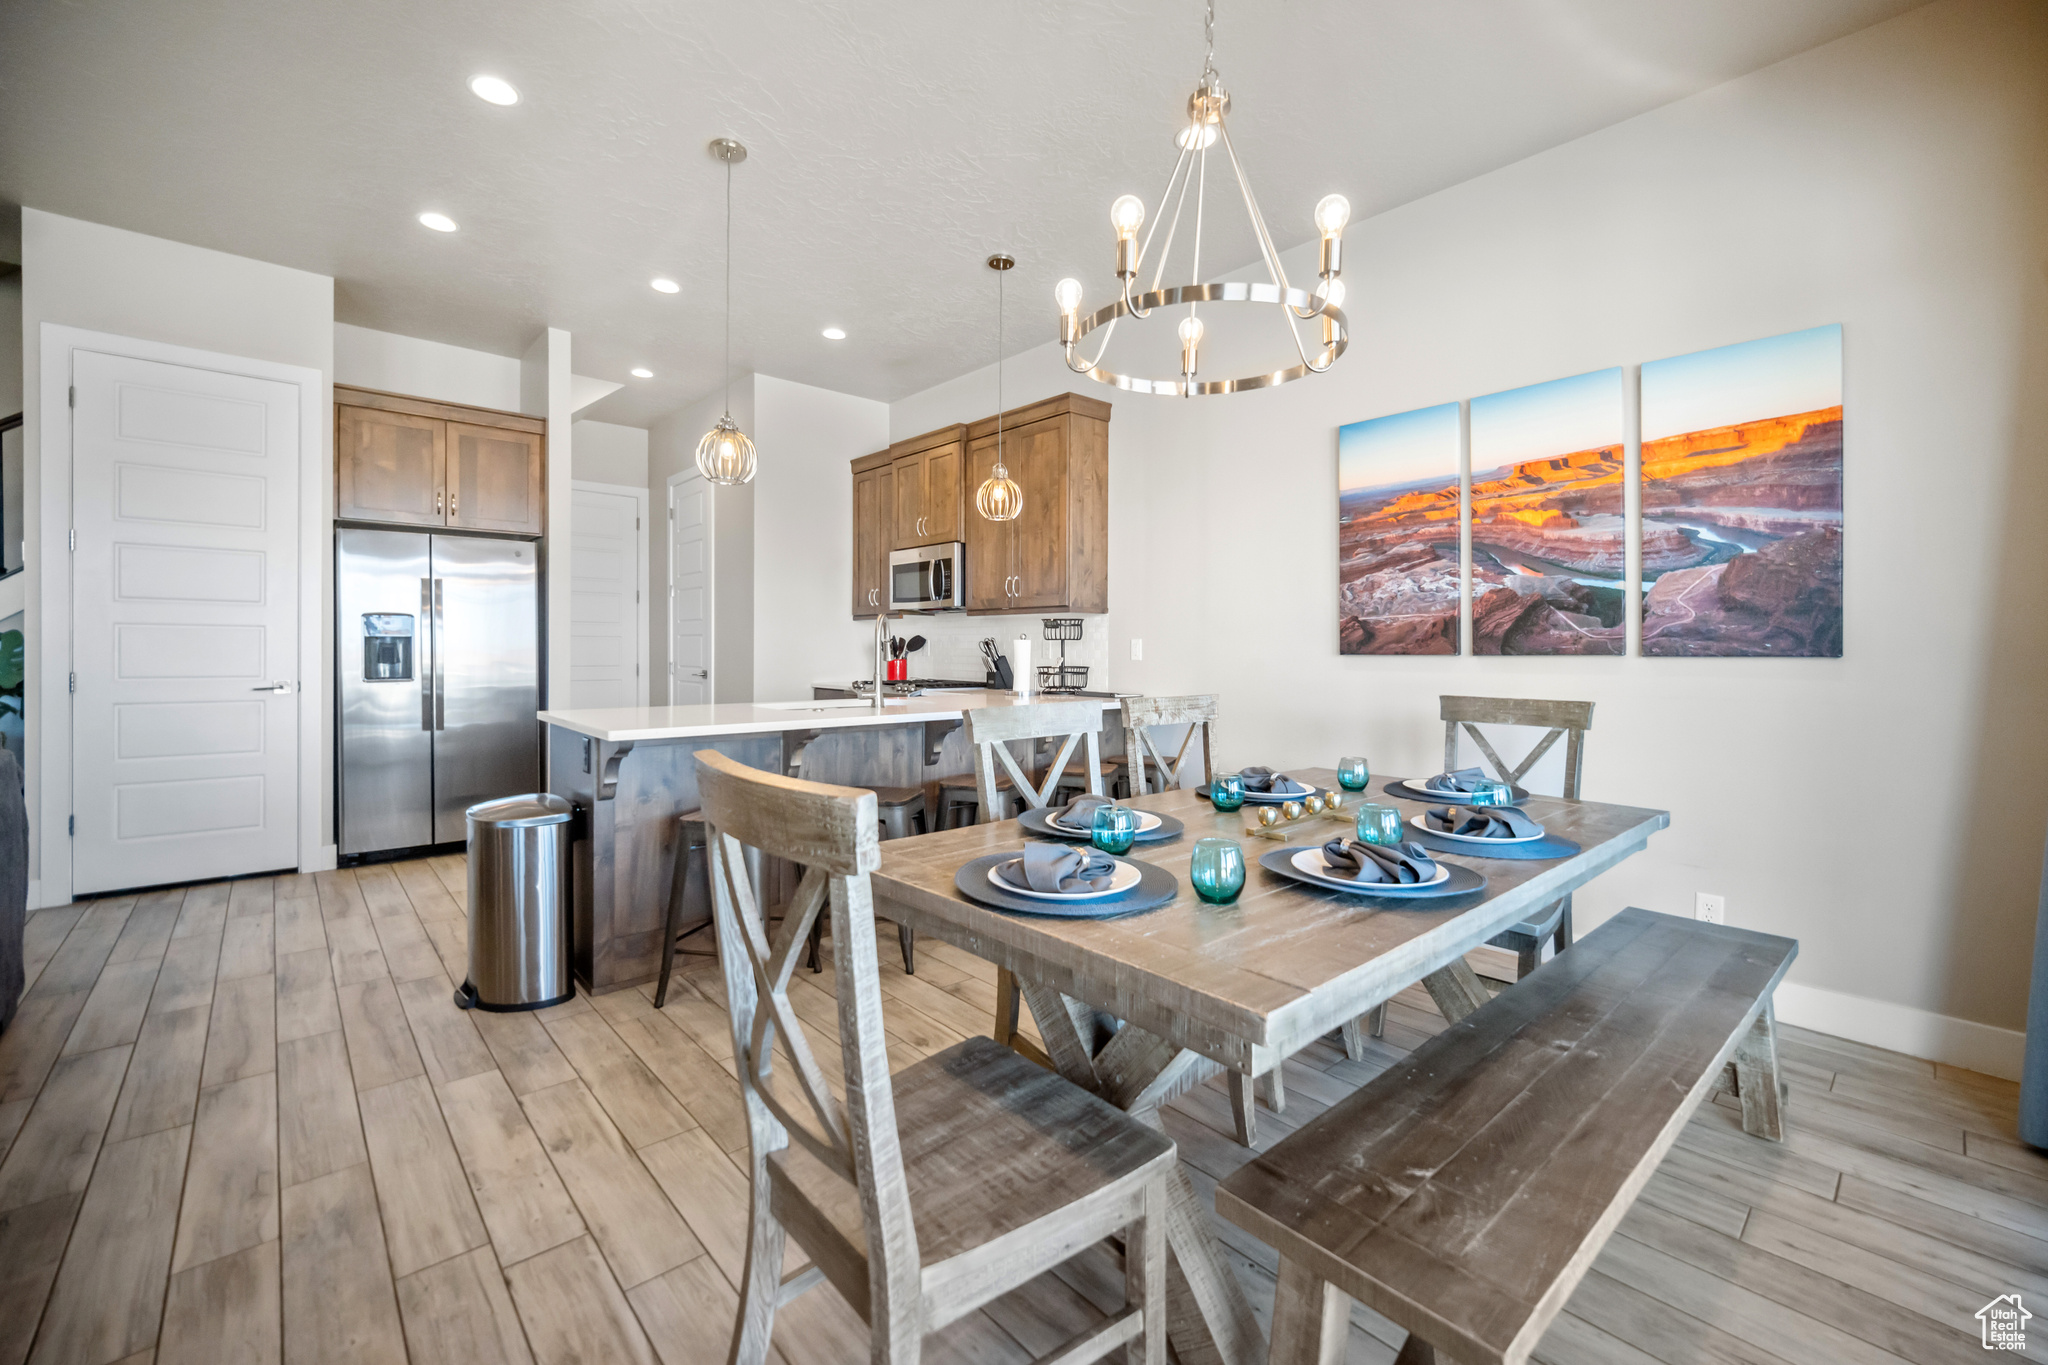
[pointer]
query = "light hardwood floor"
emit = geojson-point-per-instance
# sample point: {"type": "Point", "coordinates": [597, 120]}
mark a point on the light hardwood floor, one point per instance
{"type": "Point", "coordinates": [246, 1122]}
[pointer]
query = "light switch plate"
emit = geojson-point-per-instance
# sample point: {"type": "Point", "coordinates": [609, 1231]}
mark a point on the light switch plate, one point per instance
{"type": "Point", "coordinates": [1137, 648]}
{"type": "Point", "coordinates": [1713, 909]}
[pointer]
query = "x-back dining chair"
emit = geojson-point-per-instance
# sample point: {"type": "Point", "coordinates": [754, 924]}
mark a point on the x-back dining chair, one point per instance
{"type": "Point", "coordinates": [1141, 748]}
{"type": "Point", "coordinates": [923, 1195]}
{"type": "Point", "coordinates": [1567, 720]}
{"type": "Point", "coordinates": [991, 730]}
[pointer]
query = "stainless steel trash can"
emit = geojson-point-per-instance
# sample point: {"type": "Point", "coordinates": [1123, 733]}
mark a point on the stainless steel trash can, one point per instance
{"type": "Point", "coordinates": [518, 904]}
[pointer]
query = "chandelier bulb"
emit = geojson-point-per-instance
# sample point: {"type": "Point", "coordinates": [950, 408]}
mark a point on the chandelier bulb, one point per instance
{"type": "Point", "coordinates": [1127, 215]}
{"type": "Point", "coordinates": [1333, 211]}
{"type": "Point", "coordinates": [1067, 294]}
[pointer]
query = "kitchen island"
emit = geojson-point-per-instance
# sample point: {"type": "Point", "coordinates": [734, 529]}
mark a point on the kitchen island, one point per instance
{"type": "Point", "coordinates": [629, 773]}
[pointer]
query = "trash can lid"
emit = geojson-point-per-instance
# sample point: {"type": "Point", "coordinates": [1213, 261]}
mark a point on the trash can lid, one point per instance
{"type": "Point", "coordinates": [536, 808]}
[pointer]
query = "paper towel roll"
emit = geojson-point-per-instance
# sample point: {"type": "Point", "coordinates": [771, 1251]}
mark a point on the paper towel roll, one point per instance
{"type": "Point", "coordinates": [1020, 665]}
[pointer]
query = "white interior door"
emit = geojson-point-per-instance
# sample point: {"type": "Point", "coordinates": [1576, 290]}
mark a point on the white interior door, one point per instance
{"type": "Point", "coordinates": [184, 623]}
{"type": "Point", "coordinates": [605, 574]}
{"type": "Point", "coordinates": [689, 590]}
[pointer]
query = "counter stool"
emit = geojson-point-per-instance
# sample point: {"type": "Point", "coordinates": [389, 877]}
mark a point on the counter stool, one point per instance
{"type": "Point", "coordinates": [681, 923]}
{"type": "Point", "coordinates": [1114, 774]}
{"type": "Point", "coordinates": [960, 800]}
{"type": "Point", "coordinates": [901, 813]}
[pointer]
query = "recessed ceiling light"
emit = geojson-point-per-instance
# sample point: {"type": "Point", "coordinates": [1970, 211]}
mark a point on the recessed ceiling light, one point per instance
{"type": "Point", "coordinates": [663, 285]}
{"type": "Point", "coordinates": [642, 372]}
{"type": "Point", "coordinates": [493, 89]}
{"type": "Point", "coordinates": [439, 222]}
{"type": "Point", "coordinates": [835, 334]}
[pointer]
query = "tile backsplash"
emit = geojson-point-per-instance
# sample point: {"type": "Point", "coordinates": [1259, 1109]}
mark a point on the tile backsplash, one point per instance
{"type": "Point", "coordinates": [952, 648]}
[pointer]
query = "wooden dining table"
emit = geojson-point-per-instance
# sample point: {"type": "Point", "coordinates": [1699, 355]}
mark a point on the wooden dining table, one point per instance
{"type": "Point", "coordinates": [1141, 1008]}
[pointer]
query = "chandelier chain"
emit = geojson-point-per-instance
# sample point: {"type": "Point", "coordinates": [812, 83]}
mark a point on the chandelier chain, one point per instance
{"type": "Point", "coordinates": [1209, 33]}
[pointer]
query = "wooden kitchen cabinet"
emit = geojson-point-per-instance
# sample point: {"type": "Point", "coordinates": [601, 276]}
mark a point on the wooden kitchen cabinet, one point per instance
{"type": "Point", "coordinates": [1055, 555]}
{"type": "Point", "coordinates": [414, 462]}
{"type": "Point", "coordinates": [389, 466]}
{"type": "Point", "coordinates": [874, 521]}
{"type": "Point", "coordinates": [930, 493]}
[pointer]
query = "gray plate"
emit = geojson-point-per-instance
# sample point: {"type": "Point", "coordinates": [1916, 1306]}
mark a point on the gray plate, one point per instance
{"type": "Point", "coordinates": [1462, 881]}
{"type": "Point", "coordinates": [1266, 798]}
{"type": "Point", "coordinates": [1156, 887]}
{"type": "Point", "coordinates": [1417, 792]}
{"type": "Point", "coordinates": [1550, 846]}
{"type": "Point", "coordinates": [1040, 822]}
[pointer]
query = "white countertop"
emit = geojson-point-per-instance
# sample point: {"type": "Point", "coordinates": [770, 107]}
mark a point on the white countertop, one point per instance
{"type": "Point", "coordinates": [619, 724]}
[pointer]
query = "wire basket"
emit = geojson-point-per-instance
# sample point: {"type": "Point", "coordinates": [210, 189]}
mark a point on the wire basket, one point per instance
{"type": "Point", "coordinates": [1062, 677]}
{"type": "Point", "coordinates": [1062, 628]}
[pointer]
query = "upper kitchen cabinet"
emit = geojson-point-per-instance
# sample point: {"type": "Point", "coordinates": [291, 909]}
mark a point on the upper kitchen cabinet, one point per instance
{"type": "Point", "coordinates": [413, 462]}
{"type": "Point", "coordinates": [929, 490]}
{"type": "Point", "coordinates": [1054, 556]}
{"type": "Point", "coordinates": [874, 521]}
{"type": "Point", "coordinates": [494, 479]}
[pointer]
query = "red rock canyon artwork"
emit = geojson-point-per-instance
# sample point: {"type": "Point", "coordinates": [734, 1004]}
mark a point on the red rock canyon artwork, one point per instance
{"type": "Point", "coordinates": [1397, 533]}
{"type": "Point", "coordinates": [1742, 499]}
{"type": "Point", "coordinates": [1549, 531]}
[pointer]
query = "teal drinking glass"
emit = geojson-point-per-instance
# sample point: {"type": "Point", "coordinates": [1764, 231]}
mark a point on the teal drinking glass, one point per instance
{"type": "Point", "coordinates": [1379, 824]}
{"type": "Point", "coordinates": [1492, 794]}
{"type": "Point", "coordinates": [1216, 867]}
{"type": "Point", "coordinates": [1226, 791]}
{"type": "Point", "coordinates": [1115, 829]}
{"type": "Point", "coordinates": [1353, 774]}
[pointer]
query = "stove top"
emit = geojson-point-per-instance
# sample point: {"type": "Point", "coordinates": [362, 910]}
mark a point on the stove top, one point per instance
{"type": "Point", "coordinates": [903, 688]}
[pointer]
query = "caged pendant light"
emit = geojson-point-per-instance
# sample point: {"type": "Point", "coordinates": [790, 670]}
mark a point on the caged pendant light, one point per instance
{"type": "Point", "coordinates": [725, 455]}
{"type": "Point", "coordinates": [1205, 128]}
{"type": "Point", "coordinates": [999, 498]}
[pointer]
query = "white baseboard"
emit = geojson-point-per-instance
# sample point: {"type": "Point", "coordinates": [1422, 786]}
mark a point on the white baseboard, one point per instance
{"type": "Point", "coordinates": [1901, 1028]}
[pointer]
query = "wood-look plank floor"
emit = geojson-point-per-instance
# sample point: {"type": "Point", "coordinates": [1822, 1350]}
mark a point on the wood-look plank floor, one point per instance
{"type": "Point", "coordinates": [246, 1122]}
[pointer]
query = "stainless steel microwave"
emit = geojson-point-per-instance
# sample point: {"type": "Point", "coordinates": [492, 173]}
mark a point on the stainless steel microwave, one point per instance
{"type": "Point", "coordinates": [928, 578]}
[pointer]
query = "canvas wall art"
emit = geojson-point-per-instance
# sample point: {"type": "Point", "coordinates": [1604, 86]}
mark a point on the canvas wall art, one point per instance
{"type": "Point", "coordinates": [1742, 499]}
{"type": "Point", "coordinates": [1549, 526]}
{"type": "Point", "coordinates": [1398, 533]}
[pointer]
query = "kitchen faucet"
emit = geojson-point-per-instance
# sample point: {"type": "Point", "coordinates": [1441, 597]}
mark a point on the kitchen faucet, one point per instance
{"type": "Point", "coordinates": [881, 634]}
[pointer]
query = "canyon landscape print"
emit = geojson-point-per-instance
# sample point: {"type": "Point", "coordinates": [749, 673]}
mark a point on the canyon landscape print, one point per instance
{"type": "Point", "coordinates": [1549, 527]}
{"type": "Point", "coordinates": [1397, 533]}
{"type": "Point", "coordinates": [1742, 463]}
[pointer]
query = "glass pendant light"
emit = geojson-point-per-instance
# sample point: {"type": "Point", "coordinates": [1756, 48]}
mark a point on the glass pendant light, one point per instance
{"type": "Point", "coordinates": [725, 455]}
{"type": "Point", "coordinates": [999, 498]}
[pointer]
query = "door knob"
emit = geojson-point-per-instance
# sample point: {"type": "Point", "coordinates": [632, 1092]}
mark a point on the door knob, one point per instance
{"type": "Point", "coordinates": [702, 673]}
{"type": "Point", "coordinates": [280, 687]}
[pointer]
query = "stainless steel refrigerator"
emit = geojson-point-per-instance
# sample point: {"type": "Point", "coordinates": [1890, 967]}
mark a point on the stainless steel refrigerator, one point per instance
{"type": "Point", "coordinates": [438, 651]}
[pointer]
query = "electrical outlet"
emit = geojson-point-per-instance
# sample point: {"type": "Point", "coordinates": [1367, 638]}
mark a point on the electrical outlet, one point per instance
{"type": "Point", "coordinates": [1712, 909]}
{"type": "Point", "coordinates": [1137, 648]}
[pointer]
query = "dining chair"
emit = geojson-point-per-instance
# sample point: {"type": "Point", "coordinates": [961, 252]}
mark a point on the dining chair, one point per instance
{"type": "Point", "coordinates": [1567, 720]}
{"type": "Point", "coordinates": [925, 1195]}
{"type": "Point", "coordinates": [990, 731]}
{"type": "Point", "coordinates": [1142, 749]}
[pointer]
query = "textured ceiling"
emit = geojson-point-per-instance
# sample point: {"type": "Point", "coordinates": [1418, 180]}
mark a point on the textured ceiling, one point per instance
{"type": "Point", "coordinates": [893, 147]}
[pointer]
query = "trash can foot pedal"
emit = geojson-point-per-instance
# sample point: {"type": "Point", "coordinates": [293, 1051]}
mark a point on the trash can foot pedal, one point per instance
{"type": "Point", "coordinates": [465, 996]}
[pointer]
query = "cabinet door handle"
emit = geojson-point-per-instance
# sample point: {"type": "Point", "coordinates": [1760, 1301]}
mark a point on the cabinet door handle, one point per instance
{"type": "Point", "coordinates": [440, 498]}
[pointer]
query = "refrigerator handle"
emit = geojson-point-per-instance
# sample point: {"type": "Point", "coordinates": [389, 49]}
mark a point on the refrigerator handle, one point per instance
{"type": "Point", "coordinates": [425, 664]}
{"type": "Point", "coordinates": [440, 676]}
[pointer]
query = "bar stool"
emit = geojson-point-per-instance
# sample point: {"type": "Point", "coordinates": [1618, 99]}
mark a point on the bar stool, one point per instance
{"type": "Point", "coordinates": [681, 922]}
{"type": "Point", "coordinates": [900, 811]}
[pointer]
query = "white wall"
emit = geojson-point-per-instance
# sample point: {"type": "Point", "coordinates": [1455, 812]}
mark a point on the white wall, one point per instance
{"type": "Point", "coordinates": [546, 387]}
{"type": "Point", "coordinates": [803, 511]}
{"type": "Point", "coordinates": [419, 368]}
{"type": "Point", "coordinates": [10, 342]}
{"type": "Point", "coordinates": [1885, 808]}
{"type": "Point", "coordinates": [671, 449]}
{"type": "Point", "coordinates": [609, 453]}
{"type": "Point", "coordinates": [84, 275]}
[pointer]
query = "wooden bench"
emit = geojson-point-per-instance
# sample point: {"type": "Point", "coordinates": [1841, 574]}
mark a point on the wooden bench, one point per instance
{"type": "Point", "coordinates": [1467, 1189]}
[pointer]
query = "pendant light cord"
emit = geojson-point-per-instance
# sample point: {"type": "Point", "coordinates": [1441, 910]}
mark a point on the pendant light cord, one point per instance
{"type": "Point", "coordinates": [999, 367]}
{"type": "Point", "coordinates": [728, 288]}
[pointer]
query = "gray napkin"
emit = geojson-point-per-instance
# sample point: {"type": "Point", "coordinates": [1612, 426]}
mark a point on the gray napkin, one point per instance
{"type": "Point", "coordinates": [1482, 822]}
{"type": "Point", "coordinates": [1403, 864]}
{"type": "Point", "coordinates": [1079, 813]}
{"type": "Point", "coordinates": [1456, 780]}
{"type": "Point", "coordinates": [1271, 783]}
{"type": "Point", "coordinates": [1067, 868]}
